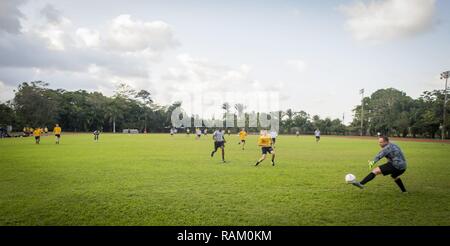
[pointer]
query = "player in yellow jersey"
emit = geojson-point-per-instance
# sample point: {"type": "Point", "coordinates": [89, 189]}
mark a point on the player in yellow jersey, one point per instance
{"type": "Point", "coordinates": [57, 131]}
{"type": "Point", "coordinates": [242, 136]}
{"type": "Point", "coordinates": [265, 142]}
{"type": "Point", "coordinates": [37, 135]}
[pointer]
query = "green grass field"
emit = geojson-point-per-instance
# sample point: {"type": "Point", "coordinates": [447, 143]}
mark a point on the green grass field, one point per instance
{"type": "Point", "coordinates": [164, 180]}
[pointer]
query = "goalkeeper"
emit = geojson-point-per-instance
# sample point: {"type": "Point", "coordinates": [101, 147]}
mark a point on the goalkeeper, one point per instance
{"type": "Point", "coordinates": [395, 166]}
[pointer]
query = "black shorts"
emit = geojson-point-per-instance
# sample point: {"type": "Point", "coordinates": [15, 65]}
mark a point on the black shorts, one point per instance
{"type": "Point", "coordinates": [219, 144]}
{"type": "Point", "coordinates": [389, 169]}
{"type": "Point", "coordinates": [266, 150]}
{"type": "Point", "coordinates": [37, 137]}
{"type": "Point", "coordinates": [58, 135]}
{"type": "Point", "coordinates": [317, 137]}
{"type": "Point", "coordinates": [242, 140]}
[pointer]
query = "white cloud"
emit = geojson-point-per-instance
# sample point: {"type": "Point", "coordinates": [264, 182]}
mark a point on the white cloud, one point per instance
{"type": "Point", "coordinates": [55, 33]}
{"type": "Point", "coordinates": [6, 92]}
{"type": "Point", "coordinates": [192, 77]}
{"type": "Point", "coordinates": [121, 50]}
{"type": "Point", "coordinates": [129, 35]}
{"type": "Point", "coordinates": [297, 64]}
{"type": "Point", "coordinates": [208, 75]}
{"type": "Point", "coordinates": [51, 27]}
{"type": "Point", "coordinates": [88, 38]}
{"type": "Point", "coordinates": [382, 20]}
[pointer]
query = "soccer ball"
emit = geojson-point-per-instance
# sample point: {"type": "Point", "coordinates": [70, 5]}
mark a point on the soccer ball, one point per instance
{"type": "Point", "coordinates": [349, 178]}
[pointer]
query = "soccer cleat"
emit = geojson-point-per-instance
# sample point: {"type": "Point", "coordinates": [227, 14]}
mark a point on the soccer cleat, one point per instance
{"type": "Point", "coordinates": [273, 163]}
{"type": "Point", "coordinates": [357, 184]}
{"type": "Point", "coordinates": [212, 154]}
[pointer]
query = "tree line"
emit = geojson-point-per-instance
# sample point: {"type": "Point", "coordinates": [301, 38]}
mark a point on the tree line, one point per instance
{"type": "Point", "coordinates": [387, 111]}
{"type": "Point", "coordinates": [391, 112]}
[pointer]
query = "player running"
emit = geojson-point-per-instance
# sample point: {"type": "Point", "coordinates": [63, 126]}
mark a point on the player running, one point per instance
{"type": "Point", "coordinates": [395, 166]}
{"type": "Point", "coordinates": [242, 136]}
{"type": "Point", "coordinates": [297, 133]}
{"type": "Point", "coordinates": [198, 132]}
{"type": "Point", "coordinates": [188, 131]}
{"type": "Point", "coordinates": [317, 134]}
{"type": "Point", "coordinates": [96, 134]}
{"type": "Point", "coordinates": [265, 142]}
{"type": "Point", "coordinates": [57, 131]}
{"type": "Point", "coordinates": [219, 142]}
{"type": "Point", "coordinates": [37, 135]}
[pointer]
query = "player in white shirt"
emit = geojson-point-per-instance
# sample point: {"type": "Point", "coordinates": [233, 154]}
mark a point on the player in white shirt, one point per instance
{"type": "Point", "coordinates": [273, 135]}
{"type": "Point", "coordinates": [317, 134]}
{"type": "Point", "coordinates": [219, 142]}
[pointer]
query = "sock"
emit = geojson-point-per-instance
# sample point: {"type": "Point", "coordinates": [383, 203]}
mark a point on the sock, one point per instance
{"type": "Point", "coordinates": [257, 163]}
{"type": "Point", "coordinates": [212, 153]}
{"type": "Point", "coordinates": [400, 184]}
{"type": "Point", "coordinates": [368, 178]}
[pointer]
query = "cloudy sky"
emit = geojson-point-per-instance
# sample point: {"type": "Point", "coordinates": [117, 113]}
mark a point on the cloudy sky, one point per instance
{"type": "Point", "coordinates": [315, 54]}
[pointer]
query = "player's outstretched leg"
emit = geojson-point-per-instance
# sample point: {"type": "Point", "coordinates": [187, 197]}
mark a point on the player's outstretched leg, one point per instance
{"type": "Point", "coordinates": [215, 149]}
{"type": "Point", "coordinates": [223, 154]}
{"type": "Point", "coordinates": [273, 159]}
{"type": "Point", "coordinates": [358, 184]}
{"type": "Point", "coordinates": [263, 157]}
{"type": "Point", "coordinates": [368, 178]}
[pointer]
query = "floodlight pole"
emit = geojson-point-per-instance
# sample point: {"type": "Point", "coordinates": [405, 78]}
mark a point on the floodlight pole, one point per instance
{"type": "Point", "coordinates": [362, 110]}
{"type": "Point", "coordinates": [445, 76]}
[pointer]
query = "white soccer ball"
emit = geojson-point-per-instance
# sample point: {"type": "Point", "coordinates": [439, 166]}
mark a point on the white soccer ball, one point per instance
{"type": "Point", "coordinates": [349, 178]}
